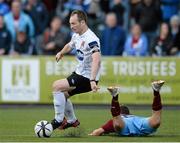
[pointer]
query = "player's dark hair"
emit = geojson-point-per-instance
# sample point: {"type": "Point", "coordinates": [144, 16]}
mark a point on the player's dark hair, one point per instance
{"type": "Point", "coordinates": [125, 110]}
{"type": "Point", "coordinates": [80, 14]}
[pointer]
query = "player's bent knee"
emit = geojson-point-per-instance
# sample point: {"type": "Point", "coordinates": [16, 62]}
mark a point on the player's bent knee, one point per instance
{"type": "Point", "coordinates": [56, 86]}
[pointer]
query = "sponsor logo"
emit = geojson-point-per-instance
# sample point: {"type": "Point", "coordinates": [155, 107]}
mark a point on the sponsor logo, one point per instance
{"type": "Point", "coordinates": [80, 55]}
{"type": "Point", "coordinates": [20, 80]}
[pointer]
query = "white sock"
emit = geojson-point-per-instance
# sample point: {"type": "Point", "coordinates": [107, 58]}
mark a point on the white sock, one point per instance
{"type": "Point", "coordinates": [69, 112]}
{"type": "Point", "coordinates": [59, 105]}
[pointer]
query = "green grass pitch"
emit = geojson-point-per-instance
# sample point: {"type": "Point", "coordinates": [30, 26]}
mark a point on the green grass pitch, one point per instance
{"type": "Point", "coordinates": [17, 124]}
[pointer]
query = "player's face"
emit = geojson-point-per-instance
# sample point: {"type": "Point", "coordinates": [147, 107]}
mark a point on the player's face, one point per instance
{"type": "Point", "coordinates": [75, 25]}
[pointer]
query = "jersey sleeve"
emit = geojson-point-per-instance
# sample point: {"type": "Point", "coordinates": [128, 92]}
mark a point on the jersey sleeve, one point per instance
{"type": "Point", "coordinates": [94, 46]}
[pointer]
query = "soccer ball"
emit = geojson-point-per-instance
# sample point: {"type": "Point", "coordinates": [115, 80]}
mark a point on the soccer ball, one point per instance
{"type": "Point", "coordinates": [43, 129]}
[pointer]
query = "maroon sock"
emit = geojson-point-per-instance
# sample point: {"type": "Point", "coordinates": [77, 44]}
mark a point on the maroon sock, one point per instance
{"type": "Point", "coordinates": [116, 97]}
{"type": "Point", "coordinates": [156, 106]}
{"type": "Point", "coordinates": [115, 107]}
{"type": "Point", "coordinates": [108, 127]}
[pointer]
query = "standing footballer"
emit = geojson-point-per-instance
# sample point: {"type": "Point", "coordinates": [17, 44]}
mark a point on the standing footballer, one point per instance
{"type": "Point", "coordinates": [86, 75]}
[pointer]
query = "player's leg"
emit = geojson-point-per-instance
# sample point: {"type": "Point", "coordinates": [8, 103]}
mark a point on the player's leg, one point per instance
{"type": "Point", "coordinates": [59, 101]}
{"type": "Point", "coordinates": [69, 112]}
{"type": "Point", "coordinates": [81, 85]}
{"type": "Point", "coordinates": [155, 119]}
{"type": "Point", "coordinates": [118, 122]}
{"type": "Point", "coordinates": [71, 121]}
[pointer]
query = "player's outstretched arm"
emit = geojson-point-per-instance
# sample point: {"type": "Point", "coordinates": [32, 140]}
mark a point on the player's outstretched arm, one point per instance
{"type": "Point", "coordinates": [65, 50]}
{"type": "Point", "coordinates": [97, 132]}
{"type": "Point", "coordinates": [96, 62]}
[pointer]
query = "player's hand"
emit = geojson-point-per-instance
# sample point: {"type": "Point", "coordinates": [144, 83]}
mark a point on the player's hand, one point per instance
{"type": "Point", "coordinates": [59, 56]}
{"type": "Point", "coordinates": [94, 86]}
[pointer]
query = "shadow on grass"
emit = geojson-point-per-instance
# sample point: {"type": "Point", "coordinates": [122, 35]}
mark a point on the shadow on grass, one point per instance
{"type": "Point", "coordinates": [165, 135]}
{"type": "Point", "coordinates": [149, 136]}
{"type": "Point", "coordinates": [78, 132]}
